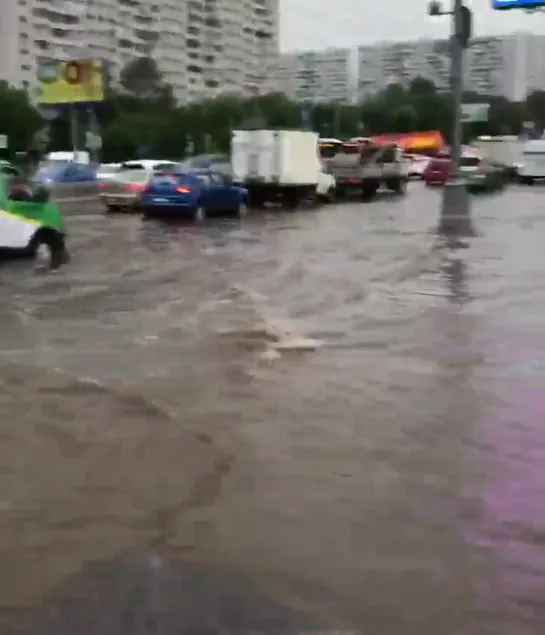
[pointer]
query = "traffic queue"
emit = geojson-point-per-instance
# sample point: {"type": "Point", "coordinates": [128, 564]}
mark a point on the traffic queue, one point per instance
{"type": "Point", "coordinates": [266, 168]}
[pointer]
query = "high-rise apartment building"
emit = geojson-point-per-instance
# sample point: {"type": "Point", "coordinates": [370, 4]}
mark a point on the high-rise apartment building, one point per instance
{"type": "Point", "coordinates": [316, 76]}
{"type": "Point", "coordinates": [509, 66]}
{"type": "Point", "coordinates": [202, 47]}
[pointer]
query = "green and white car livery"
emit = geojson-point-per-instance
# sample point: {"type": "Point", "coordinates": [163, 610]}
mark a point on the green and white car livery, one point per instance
{"type": "Point", "coordinates": [31, 226]}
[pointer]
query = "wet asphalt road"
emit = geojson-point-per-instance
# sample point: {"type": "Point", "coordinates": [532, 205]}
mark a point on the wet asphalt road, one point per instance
{"type": "Point", "coordinates": [386, 481]}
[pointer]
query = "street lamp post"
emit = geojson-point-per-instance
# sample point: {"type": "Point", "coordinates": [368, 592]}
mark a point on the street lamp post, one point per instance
{"type": "Point", "coordinates": [455, 209]}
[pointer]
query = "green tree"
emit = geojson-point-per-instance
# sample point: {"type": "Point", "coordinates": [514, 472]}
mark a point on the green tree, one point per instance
{"type": "Point", "coordinates": [142, 79]}
{"type": "Point", "coordinates": [422, 88]}
{"type": "Point", "coordinates": [405, 119]}
{"type": "Point", "coordinates": [19, 120]}
{"type": "Point", "coordinates": [535, 108]}
{"type": "Point", "coordinates": [144, 119]}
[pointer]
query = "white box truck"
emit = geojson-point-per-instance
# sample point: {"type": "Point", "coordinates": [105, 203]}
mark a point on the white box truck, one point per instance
{"type": "Point", "coordinates": [276, 165]}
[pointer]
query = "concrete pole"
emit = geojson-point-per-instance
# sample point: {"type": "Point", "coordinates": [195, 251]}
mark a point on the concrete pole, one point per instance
{"type": "Point", "coordinates": [455, 210]}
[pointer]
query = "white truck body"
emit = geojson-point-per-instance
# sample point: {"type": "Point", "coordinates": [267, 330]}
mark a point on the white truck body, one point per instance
{"type": "Point", "coordinates": [285, 158]}
{"type": "Point", "coordinates": [532, 161]}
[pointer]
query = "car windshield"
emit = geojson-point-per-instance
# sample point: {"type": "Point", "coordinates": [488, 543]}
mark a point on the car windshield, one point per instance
{"type": "Point", "coordinates": [131, 166]}
{"type": "Point", "coordinates": [166, 167]}
{"type": "Point", "coordinates": [470, 162]}
{"type": "Point", "coordinates": [138, 175]}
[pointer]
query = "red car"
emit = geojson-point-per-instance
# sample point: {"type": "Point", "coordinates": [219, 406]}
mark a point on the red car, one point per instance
{"type": "Point", "coordinates": [437, 171]}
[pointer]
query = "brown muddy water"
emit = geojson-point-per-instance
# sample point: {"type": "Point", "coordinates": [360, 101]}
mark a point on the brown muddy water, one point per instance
{"type": "Point", "coordinates": [382, 470]}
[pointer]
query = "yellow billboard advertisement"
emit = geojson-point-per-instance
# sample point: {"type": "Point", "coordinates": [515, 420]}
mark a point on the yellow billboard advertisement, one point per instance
{"type": "Point", "coordinates": [72, 82]}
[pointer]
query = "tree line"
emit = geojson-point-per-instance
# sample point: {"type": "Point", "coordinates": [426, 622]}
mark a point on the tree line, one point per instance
{"type": "Point", "coordinates": [141, 118]}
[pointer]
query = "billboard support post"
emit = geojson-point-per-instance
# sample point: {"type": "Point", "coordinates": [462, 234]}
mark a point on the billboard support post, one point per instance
{"type": "Point", "coordinates": [73, 114]}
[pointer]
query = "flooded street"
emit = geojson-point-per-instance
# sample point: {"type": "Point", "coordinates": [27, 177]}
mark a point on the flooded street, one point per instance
{"type": "Point", "coordinates": [326, 403]}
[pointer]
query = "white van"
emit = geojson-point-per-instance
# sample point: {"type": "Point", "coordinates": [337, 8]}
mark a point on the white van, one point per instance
{"type": "Point", "coordinates": [532, 162]}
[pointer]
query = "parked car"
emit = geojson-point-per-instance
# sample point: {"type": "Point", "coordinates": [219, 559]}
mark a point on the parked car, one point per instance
{"type": "Point", "coordinates": [107, 171]}
{"type": "Point", "coordinates": [437, 171]}
{"type": "Point", "coordinates": [122, 192]}
{"type": "Point", "coordinates": [480, 174]}
{"type": "Point", "coordinates": [489, 176]}
{"type": "Point", "coordinates": [195, 193]}
{"type": "Point", "coordinates": [67, 180]}
{"type": "Point", "coordinates": [31, 225]}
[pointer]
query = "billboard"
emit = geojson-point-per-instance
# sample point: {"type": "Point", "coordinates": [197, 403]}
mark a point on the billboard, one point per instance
{"type": "Point", "coordinates": [72, 82]}
{"type": "Point", "coordinates": [503, 5]}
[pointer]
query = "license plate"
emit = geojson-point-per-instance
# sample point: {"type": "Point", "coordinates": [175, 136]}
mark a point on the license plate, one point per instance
{"type": "Point", "coordinates": [160, 200]}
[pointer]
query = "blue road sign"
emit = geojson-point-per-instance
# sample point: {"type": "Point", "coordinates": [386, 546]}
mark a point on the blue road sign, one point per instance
{"type": "Point", "coordinates": [504, 5]}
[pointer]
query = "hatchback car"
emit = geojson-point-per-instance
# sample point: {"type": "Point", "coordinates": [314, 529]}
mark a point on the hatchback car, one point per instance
{"type": "Point", "coordinates": [437, 171]}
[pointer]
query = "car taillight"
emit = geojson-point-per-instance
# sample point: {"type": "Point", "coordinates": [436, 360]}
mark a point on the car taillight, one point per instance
{"type": "Point", "coordinates": [134, 187]}
{"type": "Point", "coordinates": [101, 185]}
{"type": "Point", "coordinates": [183, 190]}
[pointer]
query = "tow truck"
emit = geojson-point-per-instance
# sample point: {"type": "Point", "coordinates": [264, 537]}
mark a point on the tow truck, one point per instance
{"type": "Point", "coordinates": [364, 166]}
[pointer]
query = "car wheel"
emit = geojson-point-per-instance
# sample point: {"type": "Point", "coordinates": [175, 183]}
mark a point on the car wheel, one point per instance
{"type": "Point", "coordinates": [199, 214]}
{"type": "Point", "coordinates": [49, 250]}
{"type": "Point", "coordinates": [111, 209]}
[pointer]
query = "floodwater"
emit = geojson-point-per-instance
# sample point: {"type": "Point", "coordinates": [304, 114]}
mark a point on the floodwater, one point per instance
{"type": "Point", "coordinates": [327, 403]}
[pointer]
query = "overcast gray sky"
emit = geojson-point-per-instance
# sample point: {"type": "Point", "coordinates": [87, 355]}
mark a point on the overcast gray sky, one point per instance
{"type": "Point", "coordinates": [317, 24]}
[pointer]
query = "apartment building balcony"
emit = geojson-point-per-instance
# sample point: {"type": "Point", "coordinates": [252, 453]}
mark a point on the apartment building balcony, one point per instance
{"type": "Point", "coordinates": [194, 17]}
{"type": "Point", "coordinates": [146, 35]}
{"type": "Point", "coordinates": [63, 38]}
{"type": "Point", "coordinates": [55, 14]}
{"type": "Point", "coordinates": [67, 8]}
{"type": "Point", "coordinates": [193, 43]}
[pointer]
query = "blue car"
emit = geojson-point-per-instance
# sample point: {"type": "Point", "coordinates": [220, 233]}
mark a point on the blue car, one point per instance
{"type": "Point", "coordinates": [195, 193]}
{"type": "Point", "coordinates": [68, 180]}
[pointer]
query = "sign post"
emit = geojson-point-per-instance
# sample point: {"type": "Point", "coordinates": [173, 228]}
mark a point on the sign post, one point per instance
{"type": "Point", "coordinates": [455, 210]}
